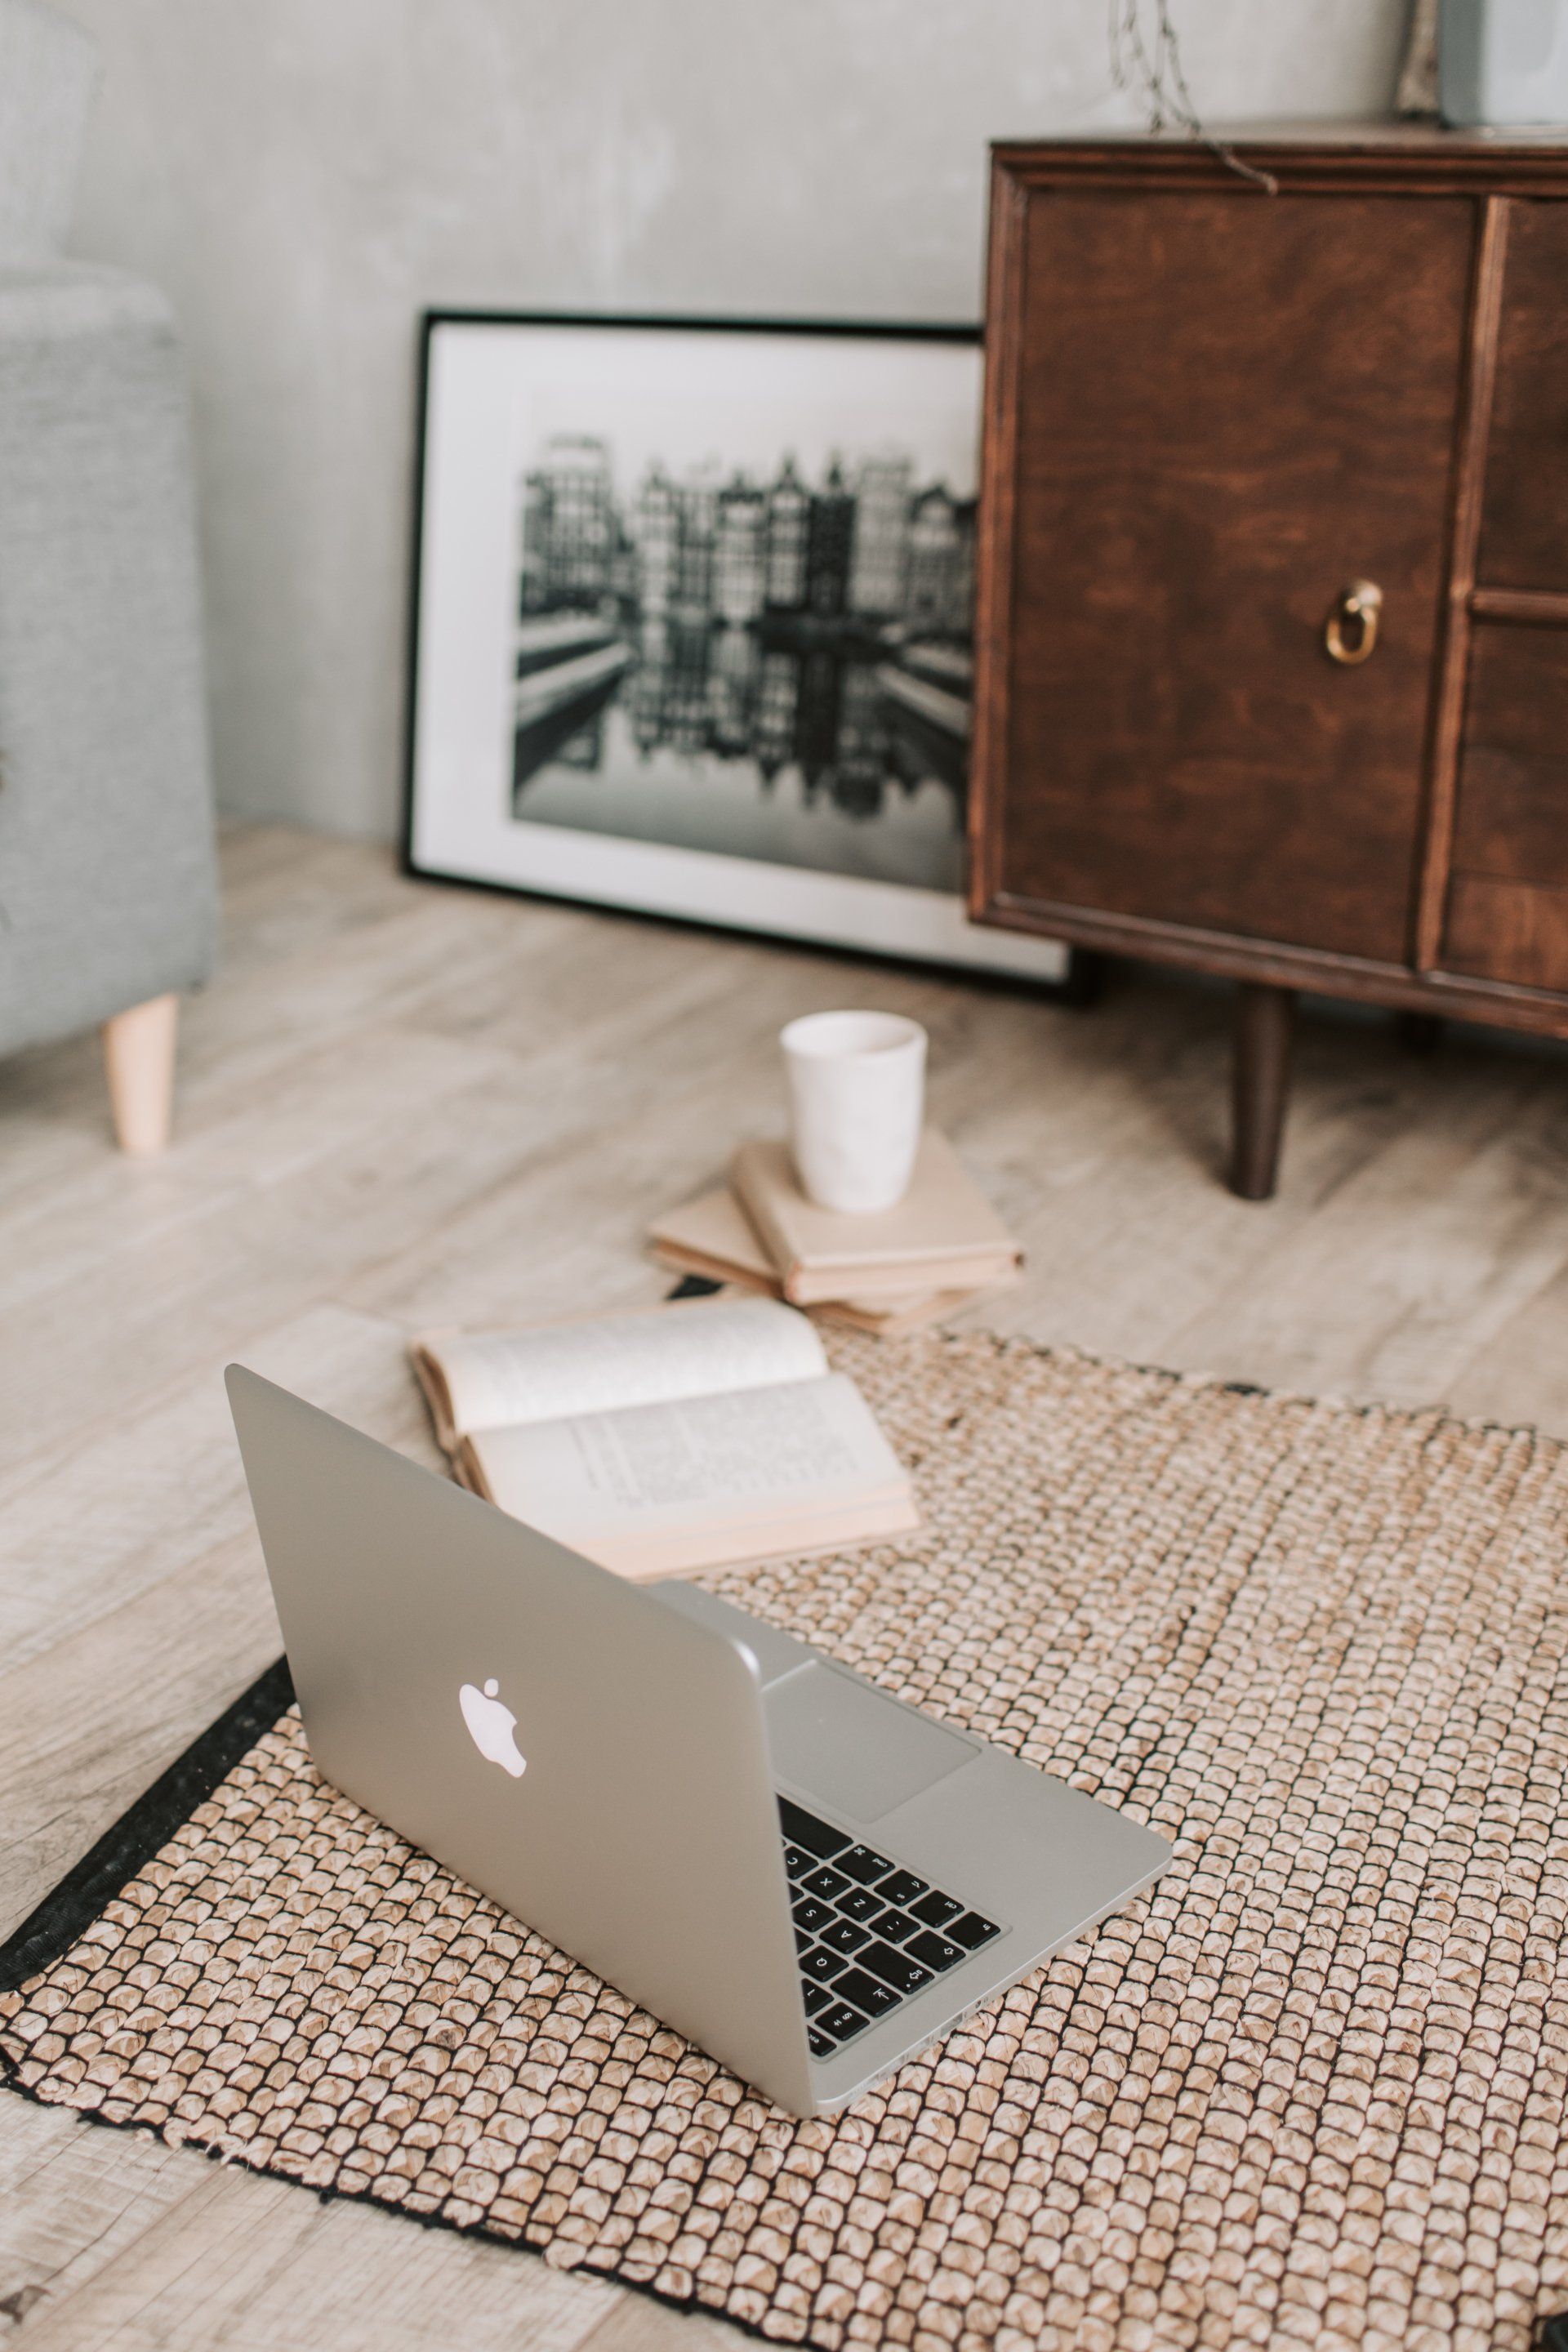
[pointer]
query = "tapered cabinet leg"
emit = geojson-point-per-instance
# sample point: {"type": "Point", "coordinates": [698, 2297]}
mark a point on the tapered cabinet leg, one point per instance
{"type": "Point", "coordinates": [1418, 1033]}
{"type": "Point", "coordinates": [1085, 983]}
{"type": "Point", "coordinates": [139, 1059]}
{"type": "Point", "coordinates": [1260, 1081]}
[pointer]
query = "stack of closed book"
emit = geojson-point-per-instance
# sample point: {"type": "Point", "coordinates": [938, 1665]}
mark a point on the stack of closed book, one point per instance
{"type": "Point", "coordinates": [942, 1246]}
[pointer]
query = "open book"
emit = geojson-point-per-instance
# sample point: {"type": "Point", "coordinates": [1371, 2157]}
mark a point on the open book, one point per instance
{"type": "Point", "coordinates": [695, 1434]}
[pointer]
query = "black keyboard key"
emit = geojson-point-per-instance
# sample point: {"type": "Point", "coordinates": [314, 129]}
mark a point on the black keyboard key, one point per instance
{"type": "Point", "coordinates": [935, 1909]}
{"type": "Point", "coordinates": [933, 1951]}
{"type": "Point", "coordinates": [971, 1931]}
{"type": "Point", "coordinates": [862, 1864]}
{"type": "Point", "coordinates": [897, 1969]}
{"type": "Point", "coordinates": [894, 1926]}
{"type": "Point", "coordinates": [821, 1965]}
{"type": "Point", "coordinates": [811, 1915]}
{"type": "Point", "coordinates": [840, 2021]}
{"type": "Point", "coordinates": [797, 1862]}
{"type": "Point", "coordinates": [815, 1997]}
{"type": "Point", "coordinates": [804, 1939]}
{"type": "Point", "coordinates": [802, 1828]}
{"type": "Point", "coordinates": [902, 1888]}
{"type": "Point", "coordinates": [819, 2043]}
{"type": "Point", "coordinates": [860, 1903]}
{"type": "Point", "coordinates": [867, 1992]}
{"type": "Point", "coordinates": [823, 1881]}
{"type": "Point", "coordinates": [844, 1935]}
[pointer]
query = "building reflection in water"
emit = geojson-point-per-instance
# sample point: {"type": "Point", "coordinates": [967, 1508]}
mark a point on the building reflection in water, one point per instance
{"type": "Point", "coordinates": [821, 627]}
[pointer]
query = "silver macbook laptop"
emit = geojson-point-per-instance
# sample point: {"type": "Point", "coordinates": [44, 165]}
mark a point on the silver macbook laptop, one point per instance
{"type": "Point", "coordinates": [808, 1879]}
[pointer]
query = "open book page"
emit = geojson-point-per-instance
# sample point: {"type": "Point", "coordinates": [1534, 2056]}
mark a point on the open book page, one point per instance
{"type": "Point", "coordinates": [497, 1379]}
{"type": "Point", "coordinates": [803, 1461]}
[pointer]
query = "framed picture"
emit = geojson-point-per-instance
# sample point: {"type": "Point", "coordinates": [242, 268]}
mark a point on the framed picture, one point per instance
{"type": "Point", "coordinates": [692, 625]}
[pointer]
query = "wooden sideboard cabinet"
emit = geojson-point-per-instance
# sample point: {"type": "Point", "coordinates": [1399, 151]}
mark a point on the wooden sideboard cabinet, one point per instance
{"type": "Point", "coordinates": [1272, 655]}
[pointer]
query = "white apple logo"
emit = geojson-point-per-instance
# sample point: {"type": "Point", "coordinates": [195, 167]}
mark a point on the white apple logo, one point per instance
{"type": "Point", "coordinates": [490, 1727]}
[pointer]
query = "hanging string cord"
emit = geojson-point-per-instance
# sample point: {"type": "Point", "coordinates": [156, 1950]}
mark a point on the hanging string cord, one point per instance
{"type": "Point", "coordinates": [1152, 65]}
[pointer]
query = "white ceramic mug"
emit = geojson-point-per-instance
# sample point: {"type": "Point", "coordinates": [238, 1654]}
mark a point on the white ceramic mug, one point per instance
{"type": "Point", "coordinates": [856, 1083]}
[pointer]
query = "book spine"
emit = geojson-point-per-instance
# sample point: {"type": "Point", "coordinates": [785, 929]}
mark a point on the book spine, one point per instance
{"type": "Point", "coordinates": [865, 1282]}
{"type": "Point", "coordinates": [469, 1470]}
{"type": "Point", "coordinates": [433, 1381]}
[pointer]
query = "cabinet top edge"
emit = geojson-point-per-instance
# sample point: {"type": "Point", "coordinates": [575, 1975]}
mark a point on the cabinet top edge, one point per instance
{"type": "Point", "coordinates": [1297, 151]}
{"type": "Point", "coordinates": [1380, 134]}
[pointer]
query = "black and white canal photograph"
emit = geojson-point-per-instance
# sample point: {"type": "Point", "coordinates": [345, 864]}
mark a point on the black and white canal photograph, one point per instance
{"type": "Point", "coordinates": [695, 623]}
{"type": "Point", "coordinates": [773, 665]}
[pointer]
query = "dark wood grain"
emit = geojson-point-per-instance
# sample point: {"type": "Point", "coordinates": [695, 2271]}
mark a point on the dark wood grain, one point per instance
{"type": "Point", "coordinates": [1467, 997]}
{"type": "Point", "coordinates": [1324, 158]}
{"type": "Point", "coordinates": [1508, 903]}
{"type": "Point", "coordinates": [1547, 604]}
{"type": "Point", "coordinates": [1471, 442]}
{"type": "Point", "coordinates": [1260, 1084]}
{"type": "Point", "coordinates": [1509, 930]}
{"type": "Point", "coordinates": [1524, 537]}
{"type": "Point", "coordinates": [1227, 410]}
{"type": "Point", "coordinates": [998, 506]}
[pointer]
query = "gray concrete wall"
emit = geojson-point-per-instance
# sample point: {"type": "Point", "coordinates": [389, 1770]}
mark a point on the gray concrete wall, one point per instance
{"type": "Point", "coordinates": [305, 175]}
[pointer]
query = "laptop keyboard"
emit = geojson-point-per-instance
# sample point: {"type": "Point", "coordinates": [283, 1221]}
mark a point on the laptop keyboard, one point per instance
{"type": "Point", "coordinates": [870, 1933]}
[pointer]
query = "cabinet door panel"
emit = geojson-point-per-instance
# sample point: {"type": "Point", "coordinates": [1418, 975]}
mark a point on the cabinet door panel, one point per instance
{"type": "Point", "coordinates": [1229, 408]}
{"type": "Point", "coordinates": [1516, 931]}
{"type": "Point", "coordinates": [1524, 525]}
{"type": "Point", "coordinates": [1507, 897]}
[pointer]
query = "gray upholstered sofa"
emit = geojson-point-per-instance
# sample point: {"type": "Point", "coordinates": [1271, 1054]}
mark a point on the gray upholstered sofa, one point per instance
{"type": "Point", "coordinates": [108, 897]}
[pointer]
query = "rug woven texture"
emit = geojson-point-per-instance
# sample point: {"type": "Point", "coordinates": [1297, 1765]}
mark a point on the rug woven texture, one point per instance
{"type": "Point", "coordinates": [1310, 2089]}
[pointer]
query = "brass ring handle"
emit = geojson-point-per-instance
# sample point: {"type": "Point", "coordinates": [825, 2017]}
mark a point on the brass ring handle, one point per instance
{"type": "Point", "coordinates": [1359, 609]}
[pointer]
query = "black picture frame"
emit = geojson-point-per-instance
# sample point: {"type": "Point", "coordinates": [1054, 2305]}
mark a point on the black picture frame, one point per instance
{"type": "Point", "coordinates": [814, 904]}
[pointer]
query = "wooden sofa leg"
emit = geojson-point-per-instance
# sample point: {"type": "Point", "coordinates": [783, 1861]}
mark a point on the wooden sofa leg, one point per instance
{"type": "Point", "coordinates": [1265, 1018]}
{"type": "Point", "coordinates": [138, 1057]}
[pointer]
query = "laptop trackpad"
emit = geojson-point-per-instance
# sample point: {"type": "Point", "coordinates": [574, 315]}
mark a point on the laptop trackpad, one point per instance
{"type": "Point", "coordinates": [835, 1738]}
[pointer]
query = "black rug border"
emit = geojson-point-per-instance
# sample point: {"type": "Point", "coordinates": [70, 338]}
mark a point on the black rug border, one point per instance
{"type": "Point", "coordinates": [126, 1847]}
{"type": "Point", "coordinates": [689, 2305]}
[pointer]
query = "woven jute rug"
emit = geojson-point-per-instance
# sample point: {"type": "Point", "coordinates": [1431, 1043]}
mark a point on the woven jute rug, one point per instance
{"type": "Point", "coordinates": [1310, 2089]}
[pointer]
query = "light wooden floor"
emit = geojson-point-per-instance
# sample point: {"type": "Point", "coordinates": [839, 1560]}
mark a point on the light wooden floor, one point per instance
{"type": "Point", "coordinates": [402, 1105]}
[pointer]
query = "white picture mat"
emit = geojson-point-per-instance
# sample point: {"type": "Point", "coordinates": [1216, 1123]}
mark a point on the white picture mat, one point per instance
{"type": "Point", "coordinates": [494, 391]}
